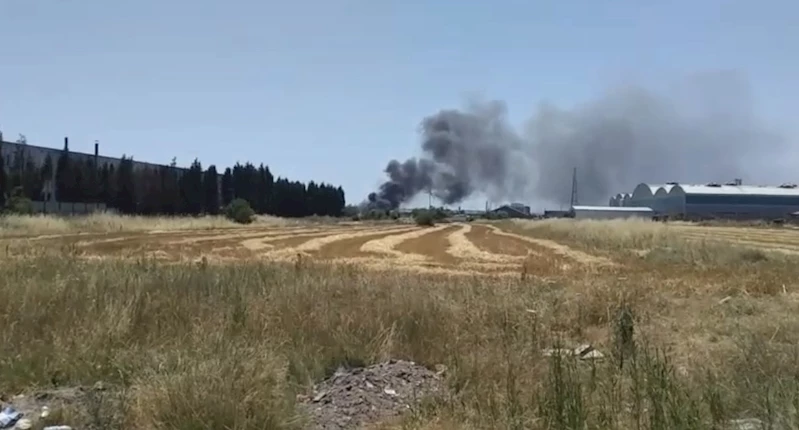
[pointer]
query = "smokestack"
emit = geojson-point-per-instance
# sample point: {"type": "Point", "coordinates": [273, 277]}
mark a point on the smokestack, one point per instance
{"type": "Point", "coordinates": [66, 143]}
{"type": "Point", "coordinates": [96, 149]}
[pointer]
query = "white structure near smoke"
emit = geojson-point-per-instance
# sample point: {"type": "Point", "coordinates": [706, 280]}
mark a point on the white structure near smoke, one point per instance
{"type": "Point", "coordinates": [611, 212]}
{"type": "Point", "coordinates": [713, 200]}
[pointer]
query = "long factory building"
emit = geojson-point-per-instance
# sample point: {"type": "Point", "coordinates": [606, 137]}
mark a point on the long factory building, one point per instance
{"type": "Point", "coordinates": [714, 200]}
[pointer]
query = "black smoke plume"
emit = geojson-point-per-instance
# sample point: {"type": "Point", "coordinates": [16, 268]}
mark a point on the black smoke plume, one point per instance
{"type": "Point", "coordinates": [702, 129]}
{"type": "Point", "coordinates": [462, 152]}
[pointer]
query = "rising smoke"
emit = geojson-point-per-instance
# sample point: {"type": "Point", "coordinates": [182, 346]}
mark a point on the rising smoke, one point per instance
{"type": "Point", "coordinates": [701, 130]}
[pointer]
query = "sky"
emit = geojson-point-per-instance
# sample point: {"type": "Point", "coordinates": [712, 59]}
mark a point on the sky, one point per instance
{"type": "Point", "coordinates": [333, 90]}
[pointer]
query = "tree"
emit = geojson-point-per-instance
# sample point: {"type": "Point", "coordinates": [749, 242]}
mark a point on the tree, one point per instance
{"type": "Point", "coordinates": [239, 211]}
{"type": "Point", "coordinates": [46, 174]}
{"type": "Point", "coordinates": [64, 182]}
{"type": "Point", "coordinates": [211, 185]}
{"type": "Point", "coordinates": [31, 179]}
{"type": "Point", "coordinates": [170, 190]}
{"type": "Point", "coordinates": [227, 187]}
{"type": "Point", "coordinates": [136, 188]}
{"type": "Point", "coordinates": [18, 203]}
{"type": "Point", "coordinates": [267, 182]}
{"type": "Point", "coordinates": [125, 199]}
{"type": "Point", "coordinates": [3, 179]}
{"type": "Point", "coordinates": [191, 189]}
{"type": "Point", "coordinates": [106, 194]}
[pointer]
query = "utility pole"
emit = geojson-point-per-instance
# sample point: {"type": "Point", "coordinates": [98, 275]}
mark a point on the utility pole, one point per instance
{"type": "Point", "coordinates": [574, 200]}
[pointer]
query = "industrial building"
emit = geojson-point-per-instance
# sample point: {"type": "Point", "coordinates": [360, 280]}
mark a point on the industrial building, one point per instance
{"type": "Point", "coordinates": [514, 210]}
{"type": "Point", "coordinates": [731, 200]}
{"type": "Point", "coordinates": [611, 212]}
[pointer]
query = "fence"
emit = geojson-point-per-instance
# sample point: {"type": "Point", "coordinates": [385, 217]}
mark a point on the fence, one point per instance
{"type": "Point", "coordinates": [67, 208]}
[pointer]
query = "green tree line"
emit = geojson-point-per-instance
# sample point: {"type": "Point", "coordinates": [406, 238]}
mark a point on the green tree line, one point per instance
{"type": "Point", "coordinates": [167, 190]}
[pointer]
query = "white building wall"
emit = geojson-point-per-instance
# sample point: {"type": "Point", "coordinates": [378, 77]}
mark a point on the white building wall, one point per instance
{"type": "Point", "coordinates": [600, 212]}
{"type": "Point", "coordinates": [598, 215]}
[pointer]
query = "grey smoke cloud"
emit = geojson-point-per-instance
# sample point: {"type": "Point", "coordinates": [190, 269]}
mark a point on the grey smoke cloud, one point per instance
{"type": "Point", "coordinates": [703, 129]}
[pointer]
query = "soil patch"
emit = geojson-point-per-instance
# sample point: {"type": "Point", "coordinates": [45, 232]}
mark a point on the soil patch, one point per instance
{"type": "Point", "coordinates": [462, 248]}
{"type": "Point", "coordinates": [356, 397]}
{"type": "Point", "coordinates": [485, 239]}
{"type": "Point", "coordinates": [349, 247]}
{"type": "Point", "coordinates": [433, 245]}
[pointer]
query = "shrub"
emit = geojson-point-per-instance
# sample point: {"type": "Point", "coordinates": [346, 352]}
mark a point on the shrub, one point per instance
{"type": "Point", "coordinates": [374, 215]}
{"type": "Point", "coordinates": [239, 211]}
{"type": "Point", "coordinates": [19, 204]}
{"type": "Point", "coordinates": [425, 218]}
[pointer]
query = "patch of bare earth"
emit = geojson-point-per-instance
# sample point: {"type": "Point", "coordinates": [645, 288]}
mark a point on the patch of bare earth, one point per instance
{"type": "Point", "coordinates": [461, 247]}
{"type": "Point", "coordinates": [387, 246]}
{"type": "Point", "coordinates": [288, 250]}
{"type": "Point", "coordinates": [246, 234]}
{"type": "Point", "coordinates": [276, 241]}
{"type": "Point", "coordinates": [486, 239]}
{"type": "Point", "coordinates": [351, 247]}
{"type": "Point", "coordinates": [431, 246]}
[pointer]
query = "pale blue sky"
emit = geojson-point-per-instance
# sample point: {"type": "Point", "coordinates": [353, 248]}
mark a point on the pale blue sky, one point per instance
{"type": "Point", "coordinates": [331, 90]}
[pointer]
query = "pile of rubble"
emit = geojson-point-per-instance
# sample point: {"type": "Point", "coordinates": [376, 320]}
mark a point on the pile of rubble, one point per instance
{"type": "Point", "coordinates": [358, 396]}
{"type": "Point", "coordinates": [33, 410]}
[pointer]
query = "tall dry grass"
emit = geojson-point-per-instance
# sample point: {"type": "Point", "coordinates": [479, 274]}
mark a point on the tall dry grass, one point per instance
{"type": "Point", "coordinates": [102, 222]}
{"type": "Point", "coordinates": [204, 346]}
{"type": "Point", "coordinates": [656, 242]}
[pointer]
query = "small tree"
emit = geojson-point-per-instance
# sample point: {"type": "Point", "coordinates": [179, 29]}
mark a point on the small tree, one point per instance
{"type": "Point", "coordinates": [3, 180]}
{"type": "Point", "coordinates": [18, 203]}
{"type": "Point", "coordinates": [425, 218]}
{"type": "Point", "coordinates": [239, 211]}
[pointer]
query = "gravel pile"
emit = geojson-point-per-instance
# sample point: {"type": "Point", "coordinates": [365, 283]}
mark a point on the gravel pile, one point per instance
{"type": "Point", "coordinates": [355, 397]}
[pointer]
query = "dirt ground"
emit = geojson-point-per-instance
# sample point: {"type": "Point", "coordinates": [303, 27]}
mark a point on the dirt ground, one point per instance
{"type": "Point", "coordinates": [456, 248]}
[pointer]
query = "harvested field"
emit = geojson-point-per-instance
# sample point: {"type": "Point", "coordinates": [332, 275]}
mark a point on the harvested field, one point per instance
{"type": "Point", "coordinates": [289, 325]}
{"type": "Point", "coordinates": [775, 239]}
{"type": "Point", "coordinates": [444, 249]}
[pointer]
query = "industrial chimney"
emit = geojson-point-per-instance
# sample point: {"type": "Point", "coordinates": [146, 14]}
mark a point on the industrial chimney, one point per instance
{"type": "Point", "coordinates": [66, 143]}
{"type": "Point", "coordinates": [96, 154]}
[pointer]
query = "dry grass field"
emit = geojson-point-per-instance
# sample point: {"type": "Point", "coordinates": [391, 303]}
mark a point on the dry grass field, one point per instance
{"type": "Point", "coordinates": [200, 323]}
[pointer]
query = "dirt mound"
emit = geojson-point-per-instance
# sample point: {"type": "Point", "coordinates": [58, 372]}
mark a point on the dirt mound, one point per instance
{"type": "Point", "coordinates": [352, 398]}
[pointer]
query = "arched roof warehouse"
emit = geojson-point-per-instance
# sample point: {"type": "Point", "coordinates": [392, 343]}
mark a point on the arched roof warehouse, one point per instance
{"type": "Point", "coordinates": [644, 191]}
{"type": "Point", "coordinates": [663, 190]}
{"type": "Point", "coordinates": [626, 199]}
{"type": "Point", "coordinates": [739, 201]}
{"type": "Point", "coordinates": [644, 194]}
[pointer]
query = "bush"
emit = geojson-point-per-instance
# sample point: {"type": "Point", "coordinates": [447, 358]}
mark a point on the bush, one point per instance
{"type": "Point", "coordinates": [374, 215]}
{"type": "Point", "coordinates": [239, 211]}
{"type": "Point", "coordinates": [425, 218]}
{"type": "Point", "coordinates": [18, 204]}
